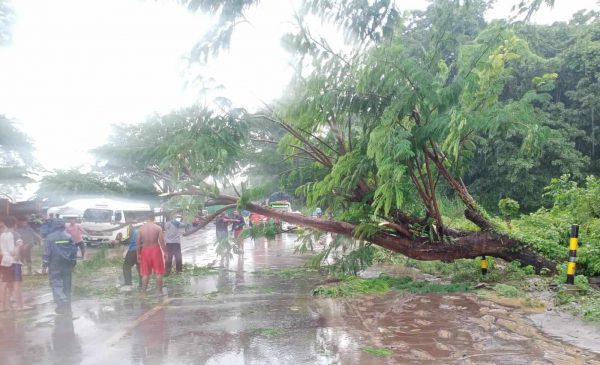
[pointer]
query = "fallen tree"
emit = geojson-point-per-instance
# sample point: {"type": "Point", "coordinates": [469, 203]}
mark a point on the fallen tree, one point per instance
{"type": "Point", "coordinates": [462, 245]}
{"type": "Point", "coordinates": [392, 122]}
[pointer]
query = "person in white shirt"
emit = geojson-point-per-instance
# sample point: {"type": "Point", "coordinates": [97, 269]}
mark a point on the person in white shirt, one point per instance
{"type": "Point", "coordinates": [10, 265]}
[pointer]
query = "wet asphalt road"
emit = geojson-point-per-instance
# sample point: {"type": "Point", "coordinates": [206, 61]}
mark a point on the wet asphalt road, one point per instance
{"type": "Point", "coordinates": [239, 316]}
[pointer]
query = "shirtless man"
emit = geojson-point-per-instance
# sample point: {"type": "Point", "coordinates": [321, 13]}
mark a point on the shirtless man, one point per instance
{"type": "Point", "coordinates": [152, 254]}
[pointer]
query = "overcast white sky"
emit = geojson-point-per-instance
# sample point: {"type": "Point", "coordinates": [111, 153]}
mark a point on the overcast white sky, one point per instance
{"type": "Point", "coordinates": [77, 66]}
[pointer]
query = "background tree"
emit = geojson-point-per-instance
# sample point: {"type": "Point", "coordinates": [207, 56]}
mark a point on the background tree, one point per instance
{"type": "Point", "coordinates": [64, 185]}
{"type": "Point", "coordinates": [394, 119]}
{"type": "Point", "coordinates": [16, 157]}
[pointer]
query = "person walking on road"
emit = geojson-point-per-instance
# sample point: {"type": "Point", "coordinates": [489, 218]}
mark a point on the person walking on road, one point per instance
{"type": "Point", "coordinates": [151, 255]}
{"type": "Point", "coordinates": [59, 259]}
{"type": "Point", "coordinates": [130, 259]}
{"type": "Point", "coordinates": [76, 232]}
{"type": "Point", "coordinates": [30, 238]}
{"type": "Point", "coordinates": [173, 239]}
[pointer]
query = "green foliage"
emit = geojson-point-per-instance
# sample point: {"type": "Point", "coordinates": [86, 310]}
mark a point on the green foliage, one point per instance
{"type": "Point", "coordinates": [97, 262]}
{"type": "Point", "coordinates": [352, 286]}
{"type": "Point", "coordinates": [548, 229]}
{"type": "Point", "coordinates": [227, 13]}
{"type": "Point", "coordinates": [307, 240]}
{"type": "Point", "coordinates": [582, 283]}
{"type": "Point", "coordinates": [508, 207]}
{"type": "Point", "coordinates": [409, 110]}
{"type": "Point", "coordinates": [268, 332]}
{"type": "Point", "coordinates": [377, 351]}
{"type": "Point", "coordinates": [250, 195]}
{"type": "Point", "coordinates": [365, 230]}
{"type": "Point", "coordinates": [179, 149]}
{"type": "Point", "coordinates": [341, 255]}
{"type": "Point", "coordinates": [101, 264]}
{"type": "Point", "coordinates": [189, 271]}
{"type": "Point", "coordinates": [190, 206]}
{"type": "Point", "coordinates": [383, 256]}
{"type": "Point", "coordinates": [508, 291]}
{"type": "Point", "coordinates": [354, 261]}
{"type": "Point", "coordinates": [225, 248]}
{"type": "Point", "coordinates": [64, 185]}
{"type": "Point", "coordinates": [469, 271]}
{"type": "Point", "coordinates": [268, 230]}
{"type": "Point", "coordinates": [584, 303]}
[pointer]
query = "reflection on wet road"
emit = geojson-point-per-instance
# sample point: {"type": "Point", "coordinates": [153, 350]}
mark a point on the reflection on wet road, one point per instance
{"type": "Point", "coordinates": [239, 316]}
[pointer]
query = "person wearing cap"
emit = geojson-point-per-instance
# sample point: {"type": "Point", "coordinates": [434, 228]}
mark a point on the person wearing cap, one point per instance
{"type": "Point", "coordinates": [59, 259]}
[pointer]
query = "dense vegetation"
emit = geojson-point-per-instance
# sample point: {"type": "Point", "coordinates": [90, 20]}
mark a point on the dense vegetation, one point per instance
{"type": "Point", "coordinates": [415, 133]}
{"type": "Point", "coordinates": [410, 113]}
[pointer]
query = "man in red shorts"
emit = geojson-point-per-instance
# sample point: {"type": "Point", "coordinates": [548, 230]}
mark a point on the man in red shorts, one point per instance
{"type": "Point", "coordinates": [151, 255]}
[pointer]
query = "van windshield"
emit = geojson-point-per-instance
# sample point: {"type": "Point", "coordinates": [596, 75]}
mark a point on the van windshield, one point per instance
{"type": "Point", "coordinates": [97, 215]}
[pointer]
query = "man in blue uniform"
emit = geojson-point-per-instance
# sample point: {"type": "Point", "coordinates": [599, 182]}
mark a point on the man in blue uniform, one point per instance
{"type": "Point", "coordinates": [60, 254]}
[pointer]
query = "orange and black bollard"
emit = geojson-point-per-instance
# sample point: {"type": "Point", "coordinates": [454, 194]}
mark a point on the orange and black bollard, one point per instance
{"type": "Point", "coordinates": [573, 245]}
{"type": "Point", "coordinates": [484, 265]}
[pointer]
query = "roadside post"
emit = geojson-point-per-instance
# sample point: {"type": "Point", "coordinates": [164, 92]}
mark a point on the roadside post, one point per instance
{"type": "Point", "coordinates": [573, 245]}
{"type": "Point", "coordinates": [484, 265]}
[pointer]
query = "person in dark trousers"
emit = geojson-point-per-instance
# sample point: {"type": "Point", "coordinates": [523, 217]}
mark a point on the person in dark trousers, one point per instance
{"type": "Point", "coordinates": [221, 227]}
{"type": "Point", "coordinates": [30, 238]}
{"type": "Point", "coordinates": [173, 240]}
{"type": "Point", "coordinates": [130, 260]}
{"type": "Point", "coordinates": [237, 227]}
{"type": "Point", "coordinates": [59, 259]}
{"type": "Point", "coordinates": [46, 226]}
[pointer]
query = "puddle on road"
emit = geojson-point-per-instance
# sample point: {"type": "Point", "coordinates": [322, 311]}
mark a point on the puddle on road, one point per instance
{"type": "Point", "coordinates": [241, 315]}
{"type": "Point", "coordinates": [572, 330]}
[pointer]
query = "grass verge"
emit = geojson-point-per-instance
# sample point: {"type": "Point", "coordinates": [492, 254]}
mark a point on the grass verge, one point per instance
{"type": "Point", "coordinates": [377, 351]}
{"type": "Point", "coordinates": [353, 286]}
{"type": "Point", "coordinates": [189, 271]}
{"type": "Point", "coordinates": [268, 332]}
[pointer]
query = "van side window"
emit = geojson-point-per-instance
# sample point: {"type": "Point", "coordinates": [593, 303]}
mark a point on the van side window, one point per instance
{"type": "Point", "coordinates": [118, 216]}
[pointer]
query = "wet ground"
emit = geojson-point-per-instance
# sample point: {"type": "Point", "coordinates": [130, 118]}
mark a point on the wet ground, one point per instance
{"type": "Point", "coordinates": [245, 315]}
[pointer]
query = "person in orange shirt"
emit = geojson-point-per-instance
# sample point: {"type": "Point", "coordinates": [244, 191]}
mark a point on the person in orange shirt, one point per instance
{"type": "Point", "coordinates": [75, 230]}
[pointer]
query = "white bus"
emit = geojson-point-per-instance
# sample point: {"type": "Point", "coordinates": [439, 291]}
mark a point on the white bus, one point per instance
{"type": "Point", "coordinates": [107, 221]}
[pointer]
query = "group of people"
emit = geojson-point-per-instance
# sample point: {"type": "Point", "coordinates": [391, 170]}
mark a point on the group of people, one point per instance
{"type": "Point", "coordinates": [17, 239]}
{"type": "Point", "coordinates": [237, 226]}
{"type": "Point", "coordinates": [150, 250]}
{"type": "Point", "coordinates": [153, 251]}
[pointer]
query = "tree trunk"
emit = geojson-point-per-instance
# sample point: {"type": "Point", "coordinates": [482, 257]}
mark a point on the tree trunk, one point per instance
{"type": "Point", "coordinates": [465, 245]}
